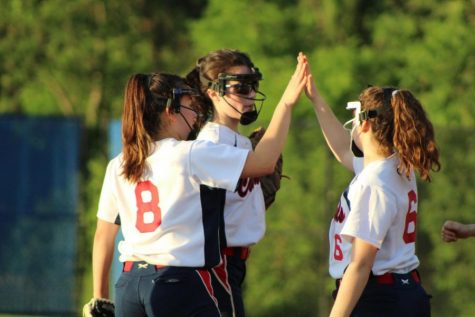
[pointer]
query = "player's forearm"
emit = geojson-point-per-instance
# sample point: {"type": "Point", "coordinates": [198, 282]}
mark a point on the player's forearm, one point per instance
{"type": "Point", "coordinates": [102, 255]}
{"type": "Point", "coordinates": [470, 229]}
{"type": "Point", "coordinates": [355, 278]}
{"type": "Point", "coordinates": [101, 286]}
{"type": "Point", "coordinates": [262, 161]}
{"type": "Point", "coordinates": [337, 138]}
{"type": "Point", "coordinates": [276, 134]}
{"type": "Point", "coordinates": [101, 264]}
{"type": "Point", "coordinates": [351, 288]}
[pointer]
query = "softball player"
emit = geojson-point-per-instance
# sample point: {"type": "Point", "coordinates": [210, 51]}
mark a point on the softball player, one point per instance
{"type": "Point", "coordinates": [372, 236]}
{"type": "Point", "coordinates": [165, 191]}
{"type": "Point", "coordinates": [229, 85]}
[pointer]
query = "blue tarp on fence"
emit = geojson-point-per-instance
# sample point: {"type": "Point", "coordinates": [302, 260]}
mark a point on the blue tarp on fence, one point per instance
{"type": "Point", "coordinates": [39, 188]}
{"type": "Point", "coordinates": [115, 147]}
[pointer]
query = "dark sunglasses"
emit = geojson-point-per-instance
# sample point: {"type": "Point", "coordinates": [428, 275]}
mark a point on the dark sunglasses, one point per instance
{"type": "Point", "coordinates": [244, 88]}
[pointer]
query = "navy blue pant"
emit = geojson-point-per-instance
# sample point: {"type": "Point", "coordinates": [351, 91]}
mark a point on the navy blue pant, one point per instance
{"type": "Point", "coordinates": [147, 291]}
{"type": "Point", "coordinates": [404, 297]}
{"type": "Point", "coordinates": [227, 284]}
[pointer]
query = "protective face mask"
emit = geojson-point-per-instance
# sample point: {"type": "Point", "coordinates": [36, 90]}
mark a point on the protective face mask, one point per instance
{"type": "Point", "coordinates": [355, 149]}
{"type": "Point", "coordinates": [248, 117]}
{"type": "Point", "coordinates": [192, 135]}
{"type": "Point", "coordinates": [351, 125]}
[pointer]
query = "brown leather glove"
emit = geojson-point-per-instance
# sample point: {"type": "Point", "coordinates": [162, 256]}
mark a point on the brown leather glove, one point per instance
{"type": "Point", "coordinates": [98, 307]}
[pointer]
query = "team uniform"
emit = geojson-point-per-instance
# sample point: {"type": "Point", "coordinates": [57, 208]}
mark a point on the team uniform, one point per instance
{"type": "Point", "coordinates": [340, 249]}
{"type": "Point", "coordinates": [244, 223]}
{"type": "Point", "coordinates": [380, 207]}
{"type": "Point", "coordinates": [170, 222]}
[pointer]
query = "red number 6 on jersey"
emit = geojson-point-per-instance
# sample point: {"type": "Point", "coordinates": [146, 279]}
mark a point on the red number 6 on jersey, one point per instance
{"type": "Point", "coordinates": [409, 236]}
{"type": "Point", "coordinates": [146, 195]}
{"type": "Point", "coordinates": [338, 253]}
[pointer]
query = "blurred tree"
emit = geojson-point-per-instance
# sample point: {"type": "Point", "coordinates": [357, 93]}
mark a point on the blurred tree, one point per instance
{"type": "Point", "coordinates": [448, 267]}
{"type": "Point", "coordinates": [426, 47]}
{"type": "Point", "coordinates": [75, 59]}
{"type": "Point", "coordinates": [295, 246]}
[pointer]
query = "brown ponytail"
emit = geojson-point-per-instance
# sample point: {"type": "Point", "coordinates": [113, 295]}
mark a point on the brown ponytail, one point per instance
{"type": "Point", "coordinates": [203, 102]}
{"type": "Point", "coordinates": [414, 138]}
{"type": "Point", "coordinates": [144, 101]}
{"type": "Point", "coordinates": [402, 126]}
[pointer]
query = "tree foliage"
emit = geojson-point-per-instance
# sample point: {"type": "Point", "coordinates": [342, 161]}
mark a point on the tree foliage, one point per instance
{"type": "Point", "coordinates": [75, 59]}
{"type": "Point", "coordinates": [350, 44]}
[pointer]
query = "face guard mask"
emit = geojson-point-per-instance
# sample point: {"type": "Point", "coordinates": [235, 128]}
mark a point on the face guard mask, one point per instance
{"type": "Point", "coordinates": [350, 125]}
{"type": "Point", "coordinates": [174, 105]}
{"type": "Point", "coordinates": [246, 84]}
{"type": "Point", "coordinates": [359, 117]}
{"type": "Point", "coordinates": [354, 106]}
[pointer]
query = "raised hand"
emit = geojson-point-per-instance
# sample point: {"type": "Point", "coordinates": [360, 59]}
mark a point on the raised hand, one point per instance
{"type": "Point", "coordinates": [310, 86]}
{"type": "Point", "coordinates": [297, 82]}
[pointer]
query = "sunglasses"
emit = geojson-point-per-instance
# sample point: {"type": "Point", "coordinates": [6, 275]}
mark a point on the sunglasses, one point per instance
{"type": "Point", "coordinates": [244, 88]}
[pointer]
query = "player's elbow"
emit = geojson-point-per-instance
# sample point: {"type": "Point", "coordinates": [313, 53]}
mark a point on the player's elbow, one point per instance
{"type": "Point", "coordinates": [267, 166]}
{"type": "Point", "coordinates": [257, 168]}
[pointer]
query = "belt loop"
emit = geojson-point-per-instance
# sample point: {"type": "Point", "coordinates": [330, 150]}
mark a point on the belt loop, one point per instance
{"type": "Point", "coordinates": [386, 278]}
{"type": "Point", "coordinates": [245, 253]}
{"type": "Point", "coordinates": [415, 276]}
{"type": "Point", "coordinates": [127, 267]}
{"type": "Point", "coordinates": [241, 252]}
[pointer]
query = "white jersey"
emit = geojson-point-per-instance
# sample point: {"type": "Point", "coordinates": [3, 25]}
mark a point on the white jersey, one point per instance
{"type": "Point", "coordinates": [172, 217]}
{"type": "Point", "coordinates": [244, 211]}
{"type": "Point", "coordinates": [340, 249]}
{"type": "Point", "coordinates": [384, 214]}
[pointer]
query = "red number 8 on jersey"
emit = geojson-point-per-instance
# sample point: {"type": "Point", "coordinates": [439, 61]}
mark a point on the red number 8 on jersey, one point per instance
{"type": "Point", "coordinates": [146, 195]}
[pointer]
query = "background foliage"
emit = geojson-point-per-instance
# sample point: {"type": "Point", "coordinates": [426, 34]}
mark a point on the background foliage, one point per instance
{"type": "Point", "coordinates": [74, 59]}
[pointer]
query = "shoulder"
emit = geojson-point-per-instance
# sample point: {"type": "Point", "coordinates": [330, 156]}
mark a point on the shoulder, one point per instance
{"type": "Point", "coordinates": [380, 172]}
{"type": "Point", "coordinates": [114, 166]}
{"type": "Point", "coordinates": [382, 177]}
{"type": "Point", "coordinates": [243, 142]}
{"type": "Point", "coordinates": [211, 131]}
{"type": "Point", "coordinates": [209, 153]}
{"type": "Point", "coordinates": [210, 147]}
{"type": "Point", "coordinates": [180, 148]}
{"type": "Point", "coordinates": [217, 133]}
{"type": "Point", "coordinates": [169, 147]}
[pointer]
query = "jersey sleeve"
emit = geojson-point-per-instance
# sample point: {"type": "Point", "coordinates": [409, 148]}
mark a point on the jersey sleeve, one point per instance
{"type": "Point", "coordinates": [372, 211]}
{"type": "Point", "coordinates": [108, 209]}
{"type": "Point", "coordinates": [217, 165]}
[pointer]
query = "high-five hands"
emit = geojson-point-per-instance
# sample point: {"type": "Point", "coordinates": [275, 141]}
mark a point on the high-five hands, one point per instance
{"type": "Point", "coordinates": [297, 82]}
